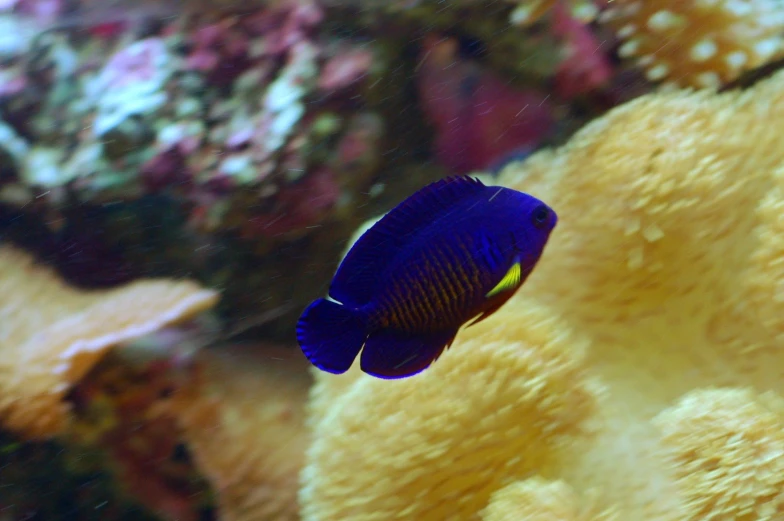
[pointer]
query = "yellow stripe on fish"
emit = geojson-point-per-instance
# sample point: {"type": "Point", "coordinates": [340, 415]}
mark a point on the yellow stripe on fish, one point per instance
{"type": "Point", "coordinates": [510, 281]}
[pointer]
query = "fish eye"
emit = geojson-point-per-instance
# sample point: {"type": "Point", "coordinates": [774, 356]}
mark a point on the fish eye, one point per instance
{"type": "Point", "coordinates": [540, 215]}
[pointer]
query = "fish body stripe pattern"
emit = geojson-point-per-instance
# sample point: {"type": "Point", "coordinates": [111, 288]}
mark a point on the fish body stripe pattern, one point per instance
{"type": "Point", "coordinates": [435, 290]}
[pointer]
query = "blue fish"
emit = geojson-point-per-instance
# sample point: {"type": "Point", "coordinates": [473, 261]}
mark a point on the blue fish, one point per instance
{"type": "Point", "coordinates": [455, 250]}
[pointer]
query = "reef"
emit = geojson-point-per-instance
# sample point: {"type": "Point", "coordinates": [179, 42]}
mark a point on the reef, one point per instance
{"type": "Point", "coordinates": [637, 372]}
{"type": "Point", "coordinates": [53, 334]}
{"type": "Point", "coordinates": [179, 178]}
{"type": "Point", "coordinates": [698, 43]}
{"type": "Point", "coordinates": [246, 142]}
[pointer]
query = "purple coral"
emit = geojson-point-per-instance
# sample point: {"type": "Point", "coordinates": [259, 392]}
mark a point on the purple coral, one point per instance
{"type": "Point", "coordinates": [285, 25]}
{"type": "Point", "coordinates": [45, 12]}
{"type": "Point", "coordinates": [211, 107]}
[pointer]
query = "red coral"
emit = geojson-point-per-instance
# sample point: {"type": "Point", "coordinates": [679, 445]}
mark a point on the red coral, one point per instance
{"type": "Point", "coordinates": [220, 50]}
{"type": "Point", "coordinates": [479, 118]}
{"type": "Point", "coordinates": [133, 423]}
{"type": "Point", "coordinates": [585, 67]}
{"type": "Point", "coordinates": [285, 25]}
{"type": "Point", "coordinates": [360, 142]}
{"type": "Point", "coordinates": [297, 206]}
{"type": "Point", "coordinates": [165, 169]}
{"type": "Point", "coordinates": [108, 30]}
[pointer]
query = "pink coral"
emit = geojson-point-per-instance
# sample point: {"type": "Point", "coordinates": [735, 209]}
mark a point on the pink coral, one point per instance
{"type": "Point", "coordinates": [345, 68]}
{"type": "Point", "coordinates": [286, 24]}
{"type": "Point", "coordinates": [357, 150]}
{"type": "Point", "coordinates": [165, 169]}
{"type": "Point", "coordinates": [43, 11]}
{"type": "Point", "coordinates": [134, 64]}
{"type": "Point", "coordinates": [585, 66]}
{"type": "Point", "coordinates": [298, 206]}
{"type": "Point", "coordinates": [124, 410]}
{"type": "Point", "coordinates": [479, 118]}
{"type": "Point", "coordinates": [220, 50]}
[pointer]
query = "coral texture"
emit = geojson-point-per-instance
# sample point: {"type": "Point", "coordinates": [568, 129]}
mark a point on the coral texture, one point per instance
{"type": "Point", "coordinates": [701, 43]}
{"type": "Point", "coordinates": [641, 363]}
{"type": "Point", "coordinates": [226, 112]}
{"type": "Point", "coordinates": [537, 499]}
{"type": "Point", "coordinates": [53, 334]}
{"type": "Point", "coordinates": [728, 448]}
{"type": "Point", "coordinates": [387, 448]}
{"type": "Point", "coordinates": [529, 11]}
{"type": "Point", "coordinates": [244, 422]}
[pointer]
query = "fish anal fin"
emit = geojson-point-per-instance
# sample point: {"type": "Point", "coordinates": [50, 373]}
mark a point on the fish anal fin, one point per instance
{"type": "Point", "coordinates": [353, 283]}
{"type": "Point", "coordinates": [393, 354]}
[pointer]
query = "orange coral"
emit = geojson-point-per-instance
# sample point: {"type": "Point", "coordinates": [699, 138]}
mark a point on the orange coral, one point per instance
{"type": "Point", "coordinates": [701, 43]}
{"type": "Point", "coordinates": [53, 334]}
{"type": "Point", "coordinates": [243, 421]}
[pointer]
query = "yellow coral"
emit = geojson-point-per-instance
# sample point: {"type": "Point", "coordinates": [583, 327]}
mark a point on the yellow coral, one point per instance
{"type": "Point", "coordinates": [702, 43]}
{"type": "Point", "coordinates": [764, 280]}
{"type": "Point", "coordinates": [52, 334]}
{"type": "Point", "coordinates": [537, 499]}
{"type": "Point", "coordinates": [666, 261]}
{"type": "Point", "coordinates": [727, 449]}
{"type": "Point", "coordinates": [243, 420]}
{"type": "Point", "coordinates": [437, 446]}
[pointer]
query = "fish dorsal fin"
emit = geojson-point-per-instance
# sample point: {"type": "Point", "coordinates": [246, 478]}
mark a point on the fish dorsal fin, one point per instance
{"type": "Point", "coordinates": [356, 278]}
{"type": "Point", "coordinates": [510, 281]}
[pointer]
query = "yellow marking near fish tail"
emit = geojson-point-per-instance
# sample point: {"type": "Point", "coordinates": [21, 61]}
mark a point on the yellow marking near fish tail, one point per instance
{"type": "Point", "coordinates": [510, 281]}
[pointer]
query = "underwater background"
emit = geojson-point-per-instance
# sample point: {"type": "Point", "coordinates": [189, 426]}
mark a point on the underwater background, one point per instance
{"type": "Point", "coordinates": [179, 179]}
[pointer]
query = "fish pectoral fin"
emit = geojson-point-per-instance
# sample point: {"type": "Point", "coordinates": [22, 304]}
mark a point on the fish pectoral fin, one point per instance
{"type": "Point", "coordinates": [395, 354]}
{"type": "Point", "coordinates": [510, 281]}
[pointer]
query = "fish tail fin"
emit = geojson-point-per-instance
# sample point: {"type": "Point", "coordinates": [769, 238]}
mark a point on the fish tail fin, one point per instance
{"type": "Point", "coordinates": [331, 335]}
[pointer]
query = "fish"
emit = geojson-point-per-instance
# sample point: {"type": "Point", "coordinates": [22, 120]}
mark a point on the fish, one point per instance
{"type": "Point", "coordinates": [454, 251]}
